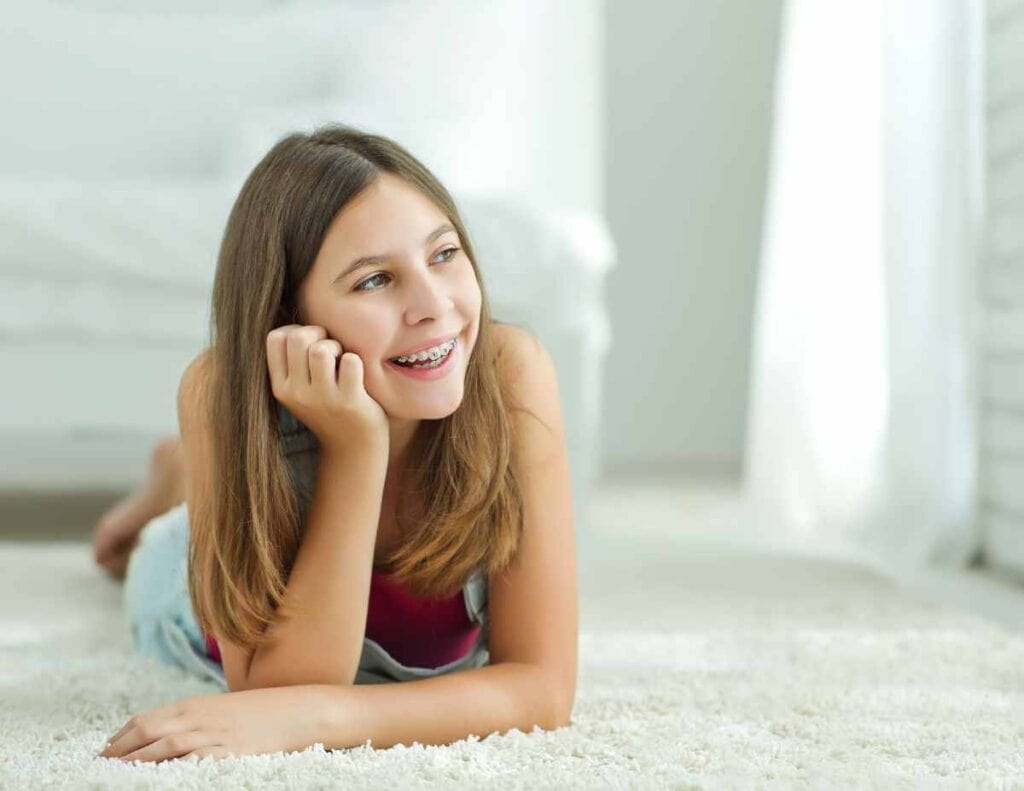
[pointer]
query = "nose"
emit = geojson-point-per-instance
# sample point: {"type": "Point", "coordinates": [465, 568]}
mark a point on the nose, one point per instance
{"type": "Point", "coordinates": [428, 298]}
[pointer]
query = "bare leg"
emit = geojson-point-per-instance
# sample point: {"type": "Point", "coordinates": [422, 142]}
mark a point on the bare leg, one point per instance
{"type": "Point", "coordinates": [117, 531]}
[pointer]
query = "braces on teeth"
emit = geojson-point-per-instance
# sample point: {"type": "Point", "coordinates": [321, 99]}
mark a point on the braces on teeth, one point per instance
{"type": "Point", "coordinates": [434, 354]}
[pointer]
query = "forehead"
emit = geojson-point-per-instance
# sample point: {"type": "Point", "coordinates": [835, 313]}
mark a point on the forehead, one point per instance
{"type": "Point", "coordinates": [386, 216]}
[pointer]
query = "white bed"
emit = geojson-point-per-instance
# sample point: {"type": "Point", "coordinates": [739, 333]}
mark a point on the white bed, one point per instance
{"type": "Point", "coordinates": [104, 298]}
{"type": "Point", "coordinates": [128, 132]}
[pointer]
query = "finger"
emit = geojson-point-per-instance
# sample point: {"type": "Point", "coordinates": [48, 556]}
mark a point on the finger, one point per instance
{"type": "Point", "coordinates": [323, 363]}
{"type": "Point", "coordinates": [215, 751]}
{"type": "Point", "coordinates": [133, 741]}
{"type": "Point", "coordinates": [123, 742]}
{"type": "Point", "coordinates": [277, 354]}
{"type": "Point", "coordinates": [112, 741]}
{"type": "Point", "coordinates": [173, 745]}
{"type": "Point", "coordinates": [350, 373]}
{"type": "Point", "coordinates": [299, 341]}
{"type": "Point", "coordinates": [145, 728]}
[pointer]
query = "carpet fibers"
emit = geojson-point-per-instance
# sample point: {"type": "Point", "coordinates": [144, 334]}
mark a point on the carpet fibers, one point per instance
{"type": "Point", "coordinates": [699, 668]}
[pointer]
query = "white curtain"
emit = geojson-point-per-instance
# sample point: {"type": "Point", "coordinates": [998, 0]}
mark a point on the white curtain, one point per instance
{"type": "Point", "coordinates": [861, 427]}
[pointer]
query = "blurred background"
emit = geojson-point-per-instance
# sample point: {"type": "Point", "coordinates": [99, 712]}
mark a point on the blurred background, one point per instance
{"type": "Point", "coordinates": [774, 248]}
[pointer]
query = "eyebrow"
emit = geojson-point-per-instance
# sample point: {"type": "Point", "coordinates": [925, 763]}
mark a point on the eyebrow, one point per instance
{"type": "Point", "coordinates": [372, 260]}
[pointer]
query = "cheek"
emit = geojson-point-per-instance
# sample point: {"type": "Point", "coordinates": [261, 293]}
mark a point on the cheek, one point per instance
{"type": "Point", "coordinates": [469, 292]}
{"type": "Point", "coordinates": [359, 331]}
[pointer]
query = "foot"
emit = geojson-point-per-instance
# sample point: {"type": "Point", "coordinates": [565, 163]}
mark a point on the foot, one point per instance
{"type": "Point", "coordinates": [117, 531]}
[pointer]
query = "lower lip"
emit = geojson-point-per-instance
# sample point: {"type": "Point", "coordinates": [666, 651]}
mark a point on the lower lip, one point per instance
{"type": "Point", "coordinates": [428, 373]}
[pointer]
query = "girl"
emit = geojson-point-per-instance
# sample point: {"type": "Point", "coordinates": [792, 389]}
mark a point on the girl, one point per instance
{"type": "Point", "coordinates": [374, 476]}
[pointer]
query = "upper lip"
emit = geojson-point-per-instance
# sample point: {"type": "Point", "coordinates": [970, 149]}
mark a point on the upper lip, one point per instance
{"type": "Point", "coordinates": [425, 345]}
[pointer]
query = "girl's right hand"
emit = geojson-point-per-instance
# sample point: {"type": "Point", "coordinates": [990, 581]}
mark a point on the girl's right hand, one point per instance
{"type": "Point", "coordinates": [334, 405]}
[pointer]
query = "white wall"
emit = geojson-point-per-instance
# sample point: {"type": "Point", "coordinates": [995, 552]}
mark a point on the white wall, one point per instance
{"type": "Point", "coordinates": [677, 164]}
{"type": "Point", "coordinates": [688, 108]}
{"type": "Point", "coordinates": [1001, 290]}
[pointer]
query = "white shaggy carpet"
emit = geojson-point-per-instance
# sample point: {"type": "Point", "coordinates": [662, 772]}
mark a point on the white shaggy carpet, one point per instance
{"type": "Point", "coordinates": [699, 668]}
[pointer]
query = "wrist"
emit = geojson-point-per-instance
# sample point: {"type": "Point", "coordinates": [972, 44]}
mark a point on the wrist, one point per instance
{"type": "Point", "coordinates": [313, 709]}
{"type": "Point", "coordinates": [328, 706]}
{"type": "Point", "coordinates": [365, 450]}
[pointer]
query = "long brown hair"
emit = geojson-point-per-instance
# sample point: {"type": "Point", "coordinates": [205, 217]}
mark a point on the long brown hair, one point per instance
{"type": "Point", "coordinates": [241, 556]}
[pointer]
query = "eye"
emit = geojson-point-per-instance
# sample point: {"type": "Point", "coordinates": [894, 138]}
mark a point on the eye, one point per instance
{"type": "Point", "coordinates": [451, 250]}
{"type": "Point", "coordinates": [372, 278]}
{"type": "Point", "coordinates": [448, 253]}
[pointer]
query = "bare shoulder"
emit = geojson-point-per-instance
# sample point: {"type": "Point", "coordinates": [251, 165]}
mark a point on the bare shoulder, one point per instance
{"type": "Point", "coordinates": [517, 351]}
{"type": "Point", "coordinates": [193, 411]}
{"type": "Point", "coordinates": [192, 386]}
{"type": "Point", "coordinates": [513, 336]}
{"type": "Point", "coordinates": [197, 371]}
{"type": "Point", "coordinates": [530, 381]}
{"type": "Point", "coordinates": [533, 605]}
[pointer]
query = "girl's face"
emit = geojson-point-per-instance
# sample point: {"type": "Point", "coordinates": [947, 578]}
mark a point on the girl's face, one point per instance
{"type": "Point", "coordinates": [391, 277]}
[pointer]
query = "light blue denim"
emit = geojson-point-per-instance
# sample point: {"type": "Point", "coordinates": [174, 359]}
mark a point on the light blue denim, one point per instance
{"type": "Point", "coordinates": [164, 626]}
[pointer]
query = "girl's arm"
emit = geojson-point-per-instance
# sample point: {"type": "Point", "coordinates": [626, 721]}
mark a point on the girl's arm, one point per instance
{"type": "Point", "coordinates": [435, 710]}
{"type": "Point", "coordinates": [321, 639]}
{"type": "Point", "coordinates": [329, 587]}
{"type": "Point", "coordinates": [532, 607]}
{"type": "Point", "coordinates": [442, 709]}
{"type": "Point", "coordinates": [533, 637]}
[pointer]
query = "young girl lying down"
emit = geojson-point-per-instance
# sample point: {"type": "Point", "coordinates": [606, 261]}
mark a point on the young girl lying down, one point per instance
{"type": "Point", "coordinates": [374, 476]}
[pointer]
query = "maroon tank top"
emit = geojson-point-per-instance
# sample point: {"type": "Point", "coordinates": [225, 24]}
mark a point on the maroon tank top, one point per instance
{"type": "Point", "coordinates": [417, 632]}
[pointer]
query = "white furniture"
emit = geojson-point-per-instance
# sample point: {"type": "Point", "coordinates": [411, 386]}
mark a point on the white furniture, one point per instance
{"type": "Point", "coordinates": [128, 132]}
{"type": "Point", "coordinates": [104, 298]}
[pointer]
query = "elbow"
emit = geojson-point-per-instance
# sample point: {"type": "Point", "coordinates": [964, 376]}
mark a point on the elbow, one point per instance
{"type": "Point", "coordinates": [552, 716]}
{"type": "Point", "coordinates": [304, 679]}
{"type": "Point", "coordinates": [557, 699]}
{"type": "Point", "coordinates": [560, 714]}
{"type": "Point", "coordinates": [300, 676]}
{"type": "Point", "coordinates": [294, 681]}
{"type": "Point", "coordinates": [564, 685]}
{"type": "Point", "coordinates": [277, 664]}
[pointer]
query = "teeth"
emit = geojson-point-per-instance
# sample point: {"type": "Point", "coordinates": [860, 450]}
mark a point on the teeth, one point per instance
{"type": "Point", "coordinates": [436, 353]}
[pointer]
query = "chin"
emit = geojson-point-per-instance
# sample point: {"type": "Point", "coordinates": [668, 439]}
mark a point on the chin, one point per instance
{"type": "Point", "coordinates": [425, 411]}
{"type": "Point", "coordinates": [441, 411]}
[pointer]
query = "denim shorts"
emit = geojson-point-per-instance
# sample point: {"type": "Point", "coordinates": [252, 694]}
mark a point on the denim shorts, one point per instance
{"type": "Point", "coordinates": [163, 624]}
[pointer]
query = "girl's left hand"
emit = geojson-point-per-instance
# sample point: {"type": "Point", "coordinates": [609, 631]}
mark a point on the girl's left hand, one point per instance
{"type": "Point", "coordinates": [246, 722]}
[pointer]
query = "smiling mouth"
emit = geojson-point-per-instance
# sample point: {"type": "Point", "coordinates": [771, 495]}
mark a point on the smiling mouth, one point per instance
{"type": "Point", "coordinates": [432, 359]}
